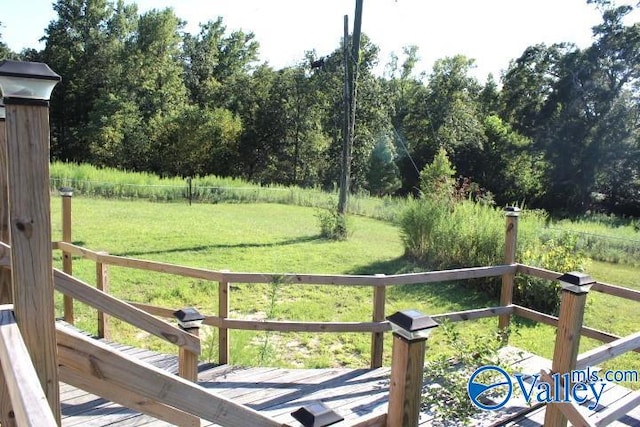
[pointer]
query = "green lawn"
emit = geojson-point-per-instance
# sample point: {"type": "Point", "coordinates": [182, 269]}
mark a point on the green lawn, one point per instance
{"type": "Point", "coordinates": [276, 238]}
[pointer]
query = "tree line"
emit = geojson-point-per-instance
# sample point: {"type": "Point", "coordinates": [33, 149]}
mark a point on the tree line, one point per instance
{"type": "Point", "coordinates": [559, 130]}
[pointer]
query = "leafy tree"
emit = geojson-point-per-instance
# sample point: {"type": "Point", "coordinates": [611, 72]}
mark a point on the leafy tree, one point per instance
{"type": "Point", "coordinates": [437, 179]}
{"type": "Point", "coordinates": [513, 171]}
{"type": "Point", "coordinates": [383, 176]}
{"type": "Point", "coordinates": [211, 59]}
{"type": "Point", "coordinates": [78, 48]}
{"type": "Point", "coordinates": [5, 52]}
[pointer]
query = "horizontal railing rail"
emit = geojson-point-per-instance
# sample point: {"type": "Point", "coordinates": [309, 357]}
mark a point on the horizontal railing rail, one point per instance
{"type": "Point", "coordinates": [378, 326]}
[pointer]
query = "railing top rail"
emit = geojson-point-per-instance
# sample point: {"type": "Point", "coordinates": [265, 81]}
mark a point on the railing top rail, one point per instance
{"type": "Point", "coordinates": [309, 279]}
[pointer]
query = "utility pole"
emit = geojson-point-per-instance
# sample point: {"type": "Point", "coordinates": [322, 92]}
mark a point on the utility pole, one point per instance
{"type": "Point", "coordinates": [351, 67]}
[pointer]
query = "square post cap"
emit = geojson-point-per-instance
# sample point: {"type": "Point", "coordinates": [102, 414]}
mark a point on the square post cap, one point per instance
{"type": "Point", "coordinates": [412, 324]}
{"type": "Point", "coordinates": [27, 80]}
{"type": "Point", "coordinates": [576, 282]}
{"type": "Point", "coordinates": [512, 211]}
{"type": "Point", "coordinates": [189, 318]}
{"type": "Point", "coordinates": [65, 191]}
{"type": "Point", "coordinates": [316, 415]}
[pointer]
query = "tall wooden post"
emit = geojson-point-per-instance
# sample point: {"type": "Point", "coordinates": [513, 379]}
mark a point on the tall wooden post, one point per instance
{"type": "Point", "coordinates": [26, 88]}
{"type": "Point", "coordinates": [510, 240]}
{"type": "Point", "coordinates": [410, 332]}
{"type": "Point", "coordinates": [345, 177]}
{"type": "Point", "coordinates": [67, 263]}
{"type": "Point", "coordinates": [6, 291]}
{"type": "Point", "coordinates": [575, 287]}
{"type": "Point", "coordinates": [377, 338]}
{"type": "Point", "coordinates": [7, 418]}
{"type": "Point", "coordinates": [223, 313]}
{"type": "Point", "coordinates": [102, 283]}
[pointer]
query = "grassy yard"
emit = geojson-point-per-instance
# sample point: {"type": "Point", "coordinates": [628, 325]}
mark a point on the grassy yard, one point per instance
{"type": "Point", "coordinates": [276, 238]}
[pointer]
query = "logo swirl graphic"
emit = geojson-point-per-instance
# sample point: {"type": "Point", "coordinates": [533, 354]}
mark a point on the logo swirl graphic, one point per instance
{"type": "Point", "coordinates": [480, 387]}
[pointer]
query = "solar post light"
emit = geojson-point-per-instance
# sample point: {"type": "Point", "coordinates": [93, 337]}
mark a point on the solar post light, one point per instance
{"type": "Point", "coordinates": [65, 191]}
{"type": "Point", "coordinates": [316, 415]}
{"type": "Point", "coordinates": [26, 88]}
{"type": "Point", "coordinates": [27, 80]}
{"type": "Point", "coordinates": [411, 324]}
{"type": "Point", "coordinates": [189, 318]}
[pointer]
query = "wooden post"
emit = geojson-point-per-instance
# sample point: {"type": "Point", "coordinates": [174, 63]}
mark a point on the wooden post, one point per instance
{"type": "Point", "coordinates": [575, 287]}
{"type": "Point", "coordinates": [345, 175]}
{"type": "Point", "coordinates": [189, 320]}
{"type": "Point", "coordinates": [102, 283]}
{"type": "Point", "coordinates": [7, 416]}
{"type": "Point", "coordinates": [30, 219]}
{"type": "Point", "coordinates": [67, 264]}
{"type": "Point", "coordinates": [223, 313]}
{"type": "Point", "coordinates": [510, 240]}
{"type": "Point", "coordinates": [377, 338]}
{"type": "Point", "coordinates": [407, 366]}
{"type": "Point", "coordinates": [6, 291]}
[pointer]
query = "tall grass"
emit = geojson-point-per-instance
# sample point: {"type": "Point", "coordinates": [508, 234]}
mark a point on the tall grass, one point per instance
{"type": "Point", "coordinates": [602, 238]}
{"type": "Point", "coordinates": [88, 180]}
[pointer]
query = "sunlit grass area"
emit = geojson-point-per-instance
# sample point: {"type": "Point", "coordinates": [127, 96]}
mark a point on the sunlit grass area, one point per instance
{"type": "Point", "coordinates": [274, 238]}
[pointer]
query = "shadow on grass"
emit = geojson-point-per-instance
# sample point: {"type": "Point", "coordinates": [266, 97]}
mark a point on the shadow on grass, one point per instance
{"type": "Point", "coordinates": [201, 248]}
{"type": "Point", "coordinates": [459, 295]}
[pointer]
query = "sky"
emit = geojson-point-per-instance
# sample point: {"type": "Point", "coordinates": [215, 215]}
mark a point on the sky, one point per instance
{"type": "Point", "coordinates": [492, 32]}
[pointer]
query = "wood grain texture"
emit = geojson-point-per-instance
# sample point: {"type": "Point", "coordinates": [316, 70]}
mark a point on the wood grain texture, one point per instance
{"type": "Point", "coordinates": [108, 304]}
{"type": "Point", "coordinates": [30, 222]}
{"type": "Point", "coordinates": [6, 290]}
{"type": "Point", "coordinates": [28, 400]}
{"type": "Point", "coordinates": [407, 364]}
{"type": "Point", "coordinates": [506, 290]}
{"type": "Point", "coordinates": [377, 338]}
{"type": "Point", "coordinates": [93, 359]}
{"type": "Point", "coordinates": [565, 352]}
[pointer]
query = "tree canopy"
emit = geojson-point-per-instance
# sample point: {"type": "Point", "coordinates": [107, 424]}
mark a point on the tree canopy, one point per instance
{"type": "Point", "coordinates": [559, 130]}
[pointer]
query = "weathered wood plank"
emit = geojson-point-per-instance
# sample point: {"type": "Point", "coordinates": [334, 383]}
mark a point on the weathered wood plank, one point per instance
{"type": "Point", "coordinates": [109, 391]}
{"type": "Point", "coordinates": [93, 358]}
{"type": "Point", "coordinates": [459, 316]}
{"type": "Point", "coordinates": [617, 291]}
{"type": "Point", "coordinates": [28, 399]}
{"type": "Point", "coordinates": [108, 304]}
{"type": "Point", "coordinates": [608, 351]}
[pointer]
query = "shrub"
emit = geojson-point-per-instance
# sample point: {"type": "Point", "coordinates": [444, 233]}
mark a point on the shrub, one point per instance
{"type": "Point", "coordinates": [560, 254]}
{"type": "Point", "coordinates": [472, 234]}
{"type": "Point", "coordinates": [333, 225]}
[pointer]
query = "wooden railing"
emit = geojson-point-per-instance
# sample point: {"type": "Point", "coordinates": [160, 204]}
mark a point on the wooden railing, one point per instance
{"type": "Point", "coordinates": [22, 399]}
{"type": "Point", "coordinates": [379, 283]}
{"type": "Point", "coordinates": [376, 327]}
{"type": "Point", "coordinates": [108, 305]}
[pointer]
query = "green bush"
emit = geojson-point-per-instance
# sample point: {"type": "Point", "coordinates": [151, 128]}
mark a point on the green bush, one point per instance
{"type": "Point", "coordinates": [471, 234]}
{"type": "Point", "coordinates": [333, 225]}
{"type": "Point", "coordinates": [560, 254]}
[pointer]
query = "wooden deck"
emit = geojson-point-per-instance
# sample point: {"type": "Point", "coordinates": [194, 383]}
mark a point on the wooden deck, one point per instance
{"type": "Point", "coordinates": [353, 393]}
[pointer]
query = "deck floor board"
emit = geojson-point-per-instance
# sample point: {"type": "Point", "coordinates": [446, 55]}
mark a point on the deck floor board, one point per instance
{"type": "Point", "coordinates": [353, 393]}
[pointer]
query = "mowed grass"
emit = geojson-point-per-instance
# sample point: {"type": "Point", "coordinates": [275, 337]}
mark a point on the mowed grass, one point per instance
{"type": "Point", "coordinates": [273, 238]}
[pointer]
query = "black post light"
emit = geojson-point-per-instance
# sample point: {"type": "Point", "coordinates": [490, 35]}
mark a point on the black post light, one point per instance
{"type": "Point", "coordinates": [316, 415]}
{"type": "Point", "coordinates": [411, 324]}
